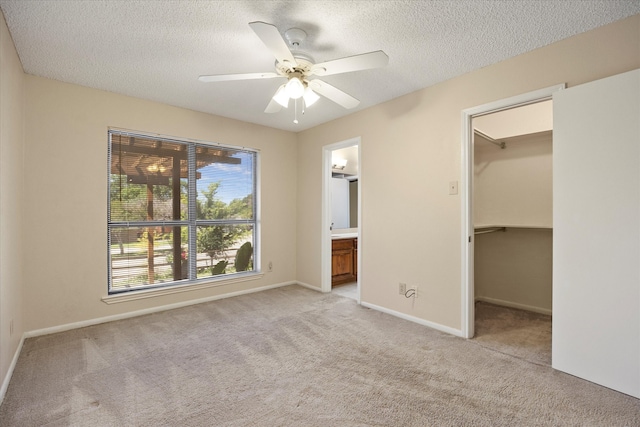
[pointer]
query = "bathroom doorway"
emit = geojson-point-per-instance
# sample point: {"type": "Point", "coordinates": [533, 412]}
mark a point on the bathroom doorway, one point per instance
{"type": "Point", "coordinates": [341, 219]}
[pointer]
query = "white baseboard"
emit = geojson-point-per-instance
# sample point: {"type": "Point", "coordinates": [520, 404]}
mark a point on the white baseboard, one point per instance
{"type": "Point", "coordinates": [432, 325]}
{"type": "Point", "coordinates": [308, 286]}
{"type": "Point", "coordinates": [7, 378]}
{"type": "Point", "coordinates": [514, 305]}
{"type": "Point", "coordinates": [97, 321]}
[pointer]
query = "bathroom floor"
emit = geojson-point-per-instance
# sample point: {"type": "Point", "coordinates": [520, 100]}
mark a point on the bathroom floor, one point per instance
{"type": "Point", "coordinates": [349, 290]}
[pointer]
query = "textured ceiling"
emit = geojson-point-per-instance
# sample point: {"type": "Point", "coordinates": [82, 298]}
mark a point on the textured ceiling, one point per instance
{"type": "Point", "coordinates": [157, 49]}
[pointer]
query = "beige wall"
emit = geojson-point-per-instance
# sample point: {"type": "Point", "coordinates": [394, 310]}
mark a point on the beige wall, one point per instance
{"type": "Point", "coordinates": [66, 196]}
{"type": "Point", "coordinates": [411, 149]}
{"type": "Point", "coordinates": [11, 166]}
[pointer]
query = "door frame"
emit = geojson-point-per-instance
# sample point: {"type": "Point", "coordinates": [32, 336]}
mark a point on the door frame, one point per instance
{"type": "Point", "coordinates": [325, 236]}
{"type": "Point", "coordinates": [467, 233]}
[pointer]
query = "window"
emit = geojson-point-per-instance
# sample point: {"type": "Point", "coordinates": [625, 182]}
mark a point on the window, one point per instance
{"type": "Point", "coordinates": [179, 211]}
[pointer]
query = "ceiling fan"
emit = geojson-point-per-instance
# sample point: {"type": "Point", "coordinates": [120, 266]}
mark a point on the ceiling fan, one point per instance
{"type": "Point", "coordinates": [299, 68]}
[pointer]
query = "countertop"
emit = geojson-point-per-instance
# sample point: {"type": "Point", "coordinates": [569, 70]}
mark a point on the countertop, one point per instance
{"type": "Point", "coordinates": [344, 233]}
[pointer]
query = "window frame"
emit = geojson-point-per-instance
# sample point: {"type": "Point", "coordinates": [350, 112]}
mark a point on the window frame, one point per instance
{"type": "Point", "coordinates": [192, 222]}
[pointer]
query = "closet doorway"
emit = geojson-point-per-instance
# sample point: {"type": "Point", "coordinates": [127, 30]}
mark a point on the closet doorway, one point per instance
{"type": "Point", "coordinates": [502, 222]}
{"type": "Point", "coordinates": [513, 233]}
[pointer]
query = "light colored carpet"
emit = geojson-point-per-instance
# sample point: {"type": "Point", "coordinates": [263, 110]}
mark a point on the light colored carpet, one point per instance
{"type": "Point", "coordinates": [291, 357]}
{"type": "Point", "coordinates": [518, 333]}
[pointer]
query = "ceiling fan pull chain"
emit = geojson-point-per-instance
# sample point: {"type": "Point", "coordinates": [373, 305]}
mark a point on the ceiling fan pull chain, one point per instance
{"type": "Point", "coordinates": [295, 111]}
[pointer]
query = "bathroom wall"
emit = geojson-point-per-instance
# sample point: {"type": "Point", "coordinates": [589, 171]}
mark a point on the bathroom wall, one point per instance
{"type": "Point", "coordinates": [353, 204]}
{"type": "Point", "coordinates": [339, 203]}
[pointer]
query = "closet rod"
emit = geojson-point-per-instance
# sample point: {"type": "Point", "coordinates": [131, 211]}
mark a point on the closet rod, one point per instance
{"type": "Point", "coordinates": [489, 230]}
{"type": "Point", "coordinates": [500, 144]}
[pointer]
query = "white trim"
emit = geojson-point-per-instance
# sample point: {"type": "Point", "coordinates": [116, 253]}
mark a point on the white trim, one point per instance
{"type": "Point", "coordinates": [467, 312]}
{"type": "Point", "coordinates": [308, 286]}
{"type": "Point", "coordinates": [359, 242]}
{"type": "Point", "coordinates": [511, 304]}
{"type": "Point", "coordinates": [257, 232]}
{"type": "Point", "coordinates": [97, 321]}
{"type": "Point", "coordinates": [514, 101]}
{"type": "Point", "coordinates": [12, 367]}
{"type": "Point", "coordinates": [325, 223]}
{"type": "Point", "coordinates": [466, 192]}
{"type": "Point", "coordinates": [169, 290]}
{"type": "Point", "coordinates": [432, 325]}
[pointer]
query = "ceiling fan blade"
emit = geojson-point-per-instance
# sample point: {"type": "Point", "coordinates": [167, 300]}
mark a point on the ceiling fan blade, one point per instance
{"type": "Point", "coordinates": [271, 37]}
{"type": "Point", "coordinates": [231, 77]}
{"type": "Point", "coordinates": [364, 61]}
{"type": "Point", "coordinates": [336, 95]}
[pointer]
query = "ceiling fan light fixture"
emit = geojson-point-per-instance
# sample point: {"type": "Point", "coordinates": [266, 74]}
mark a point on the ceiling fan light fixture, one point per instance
{"type": "Point", "coordinates": [294, 88]}
{"type": "Point", "coordinates": [310, 97]}
{"type": "Point", "coordinates": [281, 97]}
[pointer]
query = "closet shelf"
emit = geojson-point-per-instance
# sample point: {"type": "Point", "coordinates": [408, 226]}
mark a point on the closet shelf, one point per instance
{"type": "Point", "coordinates": [483, 229]}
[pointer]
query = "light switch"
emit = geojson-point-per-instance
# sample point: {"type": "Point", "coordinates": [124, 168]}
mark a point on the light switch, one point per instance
{"type": "Point", "coordinates": [453, 187]}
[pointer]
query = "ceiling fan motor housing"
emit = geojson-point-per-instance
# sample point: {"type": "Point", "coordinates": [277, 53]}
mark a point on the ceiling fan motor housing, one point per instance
{"type": "Point", "coordinates": [303, 65]}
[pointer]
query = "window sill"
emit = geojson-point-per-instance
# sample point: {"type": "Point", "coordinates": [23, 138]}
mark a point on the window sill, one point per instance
{"type": "Point", "coordinates": [169, 290]}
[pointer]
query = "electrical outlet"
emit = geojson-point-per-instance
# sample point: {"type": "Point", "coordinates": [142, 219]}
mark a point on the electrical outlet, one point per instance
{"type": "Point", "coordinates": [270, 267]}
{"type": "Point", "coordinates": [402, 288]}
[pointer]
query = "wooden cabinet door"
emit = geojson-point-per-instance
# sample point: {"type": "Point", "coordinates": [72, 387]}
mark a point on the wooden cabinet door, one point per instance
{"type": "Point", "coordinates": [342, 261]}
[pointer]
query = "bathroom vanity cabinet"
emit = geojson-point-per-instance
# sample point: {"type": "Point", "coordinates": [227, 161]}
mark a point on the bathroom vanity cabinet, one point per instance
{"type": "Point", "coordinates": [344, 261]}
